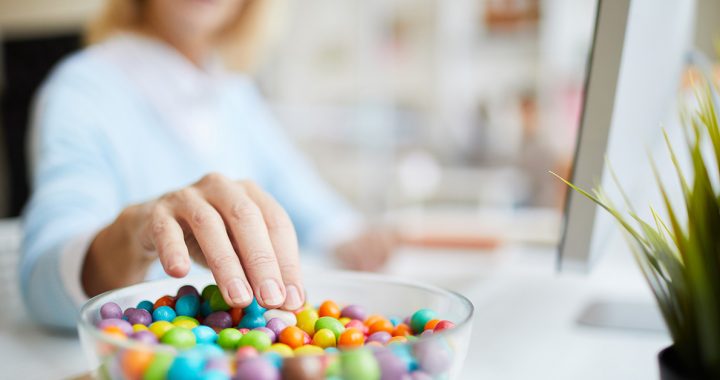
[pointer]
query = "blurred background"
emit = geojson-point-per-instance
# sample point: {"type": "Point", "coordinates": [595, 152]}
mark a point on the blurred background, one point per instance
{"type": "Point", "coordinates": [441, 116]}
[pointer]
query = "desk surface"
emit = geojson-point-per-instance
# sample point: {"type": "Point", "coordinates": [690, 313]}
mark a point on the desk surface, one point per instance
{"type": "Point", "coordinates": [525, 325]}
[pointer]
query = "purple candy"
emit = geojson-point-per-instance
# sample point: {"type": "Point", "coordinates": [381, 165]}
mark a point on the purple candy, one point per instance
{"type": "Point", "coordinates": [256, 369]}
{"type": "Point", "coordinates": [219, 319]}
{"type": "Point", "coordinates": [138, 316]}
{"type": "Point", "coordinates": [433, 356]}
{"type": "Point", "coordinates": [353, 312]}
{"type": "Point", "coordinates": [124, 325]}
{"type": "Point", "coordinates": [187, 289]}
{"type": "Point", "coordinates": [276, 325]}
{"type": "Point", "coordinates": [145, 336]}
{"type": "Point", "coordinates": [111, 310]}
{"type": "Point", "coordinates": [391, 366]}
{"type": "Point", "coordinates": [380, 337]}
{"type": "Point", "coordinates": [407, 321]}
{"type": "Point", "coordinates": [270, 333]}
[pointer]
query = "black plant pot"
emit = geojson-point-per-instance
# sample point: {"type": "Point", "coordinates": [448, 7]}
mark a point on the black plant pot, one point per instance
{"type": "Point", "coordinates": [671, 368]}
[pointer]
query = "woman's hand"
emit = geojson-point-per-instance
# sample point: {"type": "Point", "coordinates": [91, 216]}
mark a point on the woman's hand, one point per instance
{"type": "Point", "coordinates": [234, 228]}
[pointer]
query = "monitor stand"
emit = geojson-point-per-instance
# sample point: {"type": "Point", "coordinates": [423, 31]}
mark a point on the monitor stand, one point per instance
{"type": "Point", "coordinates": [643, 316]}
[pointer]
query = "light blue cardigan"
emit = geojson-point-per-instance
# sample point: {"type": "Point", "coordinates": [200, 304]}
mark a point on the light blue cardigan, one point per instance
{"type": "Point", "coordinates": [99, 146]}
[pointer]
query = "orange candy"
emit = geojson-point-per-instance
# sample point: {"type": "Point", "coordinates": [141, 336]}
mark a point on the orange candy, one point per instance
{"type": "Point", "coordinates": [236, 315]}
{"type": "Point", "coordinates": [402, 330]}
{"type": "Point", "coordinates": [135, 362]}
{"type": "Point", "coordinates": [372, 319]}
{"type": "Point", "coordinates": [292, 336]}
{"type": "Point", "coordinates": [115, 332]}
{"type": "Point", "coordinates": [430, 325]}
{"type": "Point", "coordinates": [329, 309]}
{"type": "Point", "coordinates": [164, 301]}
{"type": "Point", "coordinates": [381, 325]}
{"type": "Point", "coordinates": [351, 337]}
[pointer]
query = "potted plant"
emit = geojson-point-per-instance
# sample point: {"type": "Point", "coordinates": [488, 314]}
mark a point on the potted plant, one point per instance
{"type": "Point", "coordinates": [679, 254]}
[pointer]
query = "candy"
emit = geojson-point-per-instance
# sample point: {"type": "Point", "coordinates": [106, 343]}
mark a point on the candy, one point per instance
{"type": "Point", "coordinates": [359, 365]}
{"type": "Point", "coordinates": [219, 319]}
{"type": "Point", "coordinates": [324, 338]}
{"type": "Point", "coordinates": [276, 325]}
{"type": "Point", "coordinates": [351, 338]}
{"type": "Point", "coordinates": [402, 330]}
{"type": "Point", "coordinates": [187, 305]}
{"type": "Point", "coordinates": [158, 368]}
{"type": "Point", "coordinates": [187, 290]}
{"type": "Point", "coordinates": [285, 316]}
{"type": "Point", "coordinates": [353, 312]}
{"type": "Point", "coordinates": [146, 305]}
{"type": "Point", "coordinates": [305, 369]}
{"type": "Point", "coordinates": [139, 327]}
{"type": "Point", "coordinates": [159, 328]}
{"type": "Point", "coordinates": [208, 291]}
{"type": "Point", "coordinates": [185, 321]}
{"type": "Point", "coordinates": [381, 325]}
{"type": "Point", "coordinates": [229, 338]}
{"type": "Point", "coordinates": [381, 337]}
{"type": "Point", "coordinates": [391, 366]}
{"type": "Point", "coordinates": [443, 325]}
{"type": "Point", "coordinates": [256, 369]}
{"type": "Point", "coordinates": [164, 313]}
{"type": "Point", "coordinates": [179, 337]}
{"type": "Point", "coordinates": [309, 350]}
{"type": "Point", "coordinates": [306, 320]}
{"type": "Point", "coordinates": [111, 310]}
{"type": "Point", "coordinates": [292, 336]}
{"type": "Point", "coordinates": [282, 349]}
{"type": "Point", "coordinates": [331, 324]}
{"type": "Point", "coordinates": [164, 301]}
{"type": "Point", "coordinates": [257, 339]}
{"type": "Point", "coordinates": [329, 309]}
{"type": "Point", "coordinates": [356, 324]}
{"type": "Point", "coordinates": [217, 302]}
{"type": "Point", "coordinates": [135, 362]}
{"type": "Point", "coordinates": [420, 318]}
{"type": "Point", "coordinates": [145, 336]}
{"type": "Point", "coordinates": [270, 333]}
{"type": "Point", "coordinates": [430, 325]}
{"type": "Point", "coordinates": [254, 308]}
{"type": "Point", "coordinates": [236, 314]}
{"type": "Point", "coordinates": [251, 321]}
{"type": "Point", "coordinates": [246, 352]}
{"type": "Point", "coordinates": [138, 316]}
{"type": "Point", "coordinates": [115, 332]}
{"type": "Point", "coordinates": [123, 325]}
{"type": "Point", "coordinates": [204, 334]}
{"type": "Point", "coordinates": [186, 366]}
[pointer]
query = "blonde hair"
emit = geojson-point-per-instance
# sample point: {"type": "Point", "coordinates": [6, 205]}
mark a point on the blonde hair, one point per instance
{"type": "Point", "coordinates": [242, 43]}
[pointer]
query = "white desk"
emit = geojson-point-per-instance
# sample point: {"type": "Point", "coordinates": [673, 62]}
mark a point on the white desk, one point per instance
{"type": "Point", "coordinates": [524, 326]}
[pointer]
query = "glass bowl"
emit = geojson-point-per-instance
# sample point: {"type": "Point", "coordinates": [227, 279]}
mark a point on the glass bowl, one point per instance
{"type": "Point", "coordinates": [435, 356]}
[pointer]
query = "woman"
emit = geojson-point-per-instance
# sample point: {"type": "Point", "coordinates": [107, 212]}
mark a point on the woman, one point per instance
{"type": "Point", "coordinates": [146, 147]}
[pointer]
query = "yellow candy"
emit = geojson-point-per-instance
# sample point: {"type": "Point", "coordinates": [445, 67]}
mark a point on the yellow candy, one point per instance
{"type": "Point", "coordinates": [309, 350]}
{"type": "Point", "coordinates": [159, 328]}
{"type": "Point", "coordinates": [324, 338]}
{"type": "Point", "coordinates": [306, 320]}
{"type": "Point", "coordinates": [138, 327]}
{"type": "Point", "coordinates": [344, 320]}
{"type": "Point", "coordinates": [186, 323]}
{"type": "Point", "coordinates": [281, 349]}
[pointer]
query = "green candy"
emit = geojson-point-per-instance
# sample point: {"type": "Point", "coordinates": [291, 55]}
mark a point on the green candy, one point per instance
{"type": "Point", "coordinates": [209, 291]}
{"type": "Point", "coordinates": [159, 366]}
{"type": "Point", "coordinates": [229, 338]}
{"type": "Point", "coordinates": [257, 339]}
{"type": "Point", "coordinates": [180, 338]}
{"type": "Point", "coordinates": [331, 324]}
{"type": "Point", "coordinates": [420, 319]}
{"type": "Point", "coordinates": [217, 302]}
{"type": "Point", "coordinates": [359, 365]}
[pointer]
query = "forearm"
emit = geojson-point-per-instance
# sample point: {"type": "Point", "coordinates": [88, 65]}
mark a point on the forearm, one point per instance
{"type": "Point", "coordinates": [115, 257]}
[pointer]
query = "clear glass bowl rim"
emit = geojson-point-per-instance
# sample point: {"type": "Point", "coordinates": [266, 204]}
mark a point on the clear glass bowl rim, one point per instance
{"type": "Point", "coordinates": [330, 275]}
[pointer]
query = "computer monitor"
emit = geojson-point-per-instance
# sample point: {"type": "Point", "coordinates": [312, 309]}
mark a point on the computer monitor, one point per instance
{"type": "Point", "coordinates": [639, 50]}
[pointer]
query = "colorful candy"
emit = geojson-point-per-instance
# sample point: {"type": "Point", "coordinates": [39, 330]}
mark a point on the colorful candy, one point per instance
{"type": "Point", "coordinates": [201, 328]}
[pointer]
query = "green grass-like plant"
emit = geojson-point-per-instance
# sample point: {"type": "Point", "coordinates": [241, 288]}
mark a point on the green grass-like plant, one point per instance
{"type": "Point", "coordinates": [679, 254]}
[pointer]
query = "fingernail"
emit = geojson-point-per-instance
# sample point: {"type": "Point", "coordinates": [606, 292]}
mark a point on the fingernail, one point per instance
{"type": "Point", "coordinates": [293, 300]}
{"type": "Point", "coordinates": [239, 292]}
{"type": "Point", "coordinates": [270, 293]}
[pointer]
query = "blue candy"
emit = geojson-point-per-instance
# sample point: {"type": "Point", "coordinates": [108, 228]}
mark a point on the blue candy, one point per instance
{"type": "Point", "coordinates": [395, 321]}
{"type": "Point", "coordinates": [205, 309]}
{"type": "Point", "coordinates": [187, 305]}
{"type": "Point", "coordinates": [251, 321]}
{"type": "Point", "coordinates": [274, 358]}
{"type": "Point", "coordinates": [187, 366]}
{"type": "Point", "coordinates": [146, 305]}
{"type": "Point", "coordinates": [164, 313]}
{"type": "Point", "coordinates": [254, 308]}
{"type": "Point", "coordinates": [204, 334]}
{"type": "Point", "coordinates": [215, 374]}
